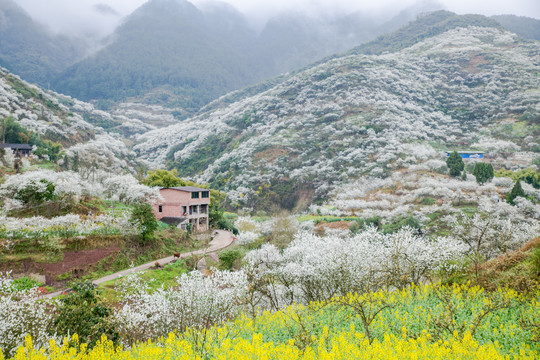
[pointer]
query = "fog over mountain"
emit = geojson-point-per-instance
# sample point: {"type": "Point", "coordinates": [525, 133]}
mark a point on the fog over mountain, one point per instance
{"type": "Point", "coordinates": [83, 16]}
{"type": "Point", "coordinates": [184, 54]}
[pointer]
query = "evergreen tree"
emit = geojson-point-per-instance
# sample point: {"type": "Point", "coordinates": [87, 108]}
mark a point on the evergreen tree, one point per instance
{"type": "Point", "coordinates": [517, 190]}
{"type": "Point", "coordinates": [75, 162]}
{"type": "Point", "coordinates": [455, 164]}
{"type": "Point", "coordinates": [490, 171]}
{"type": "Point", "coordinates": [483, 172]}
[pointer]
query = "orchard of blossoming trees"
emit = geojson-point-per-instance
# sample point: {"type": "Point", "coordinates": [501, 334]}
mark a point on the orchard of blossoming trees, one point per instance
{"type": "Point", "coordinates": [312, 269]}
{"type": "Point", "coordinates": [68, 187]}
{"type": "Point", "coordinates": [92, 139]}
{"type": "Point", "coordinates": [362, 115]}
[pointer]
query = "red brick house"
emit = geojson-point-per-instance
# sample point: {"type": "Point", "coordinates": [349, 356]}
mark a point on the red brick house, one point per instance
{"type": "Point", "coordinates": [184, 205]}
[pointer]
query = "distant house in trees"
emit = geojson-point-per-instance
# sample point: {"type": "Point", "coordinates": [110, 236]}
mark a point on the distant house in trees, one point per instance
{"type": "Point", "coordinates": [184, 206]}
{"type": "Point", "coordinates": [468, 154]}
{"type": "Point", "coordinates": [18, 149]}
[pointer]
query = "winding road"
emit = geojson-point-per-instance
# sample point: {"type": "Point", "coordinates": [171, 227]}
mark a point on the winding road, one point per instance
{"type": "Point", "coordinates": [221, 240]}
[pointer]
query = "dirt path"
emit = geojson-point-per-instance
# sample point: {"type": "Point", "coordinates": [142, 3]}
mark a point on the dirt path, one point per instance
{"type": "Point", "coordinates": [222, 240]}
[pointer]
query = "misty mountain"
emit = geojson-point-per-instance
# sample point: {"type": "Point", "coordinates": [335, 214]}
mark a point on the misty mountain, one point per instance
{"type": "Point", "coordinates": [169, 47]}
{"type": "Point", "coordinates": [358, 115]}
{"type": "Point", "coordinates": [527, 27]}
{"type": "Point", "coordinates": [171, 52]}
{"type": "Point", "coordinates": [425, 26]}
{"type": "Point", "coordinates": [30, 50]}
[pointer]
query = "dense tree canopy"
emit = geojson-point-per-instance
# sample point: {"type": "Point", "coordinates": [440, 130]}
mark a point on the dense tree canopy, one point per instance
{"type": "Point", "coordinates": [483, 172]}
{"type": "Point", "coordinates": [455, 164]}
{"type": "Point", "coordinates": [517, 190]}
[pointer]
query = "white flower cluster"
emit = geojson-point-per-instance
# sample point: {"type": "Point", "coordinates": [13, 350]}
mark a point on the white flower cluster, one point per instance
{"type": "Point", "coordinates": [318, 268]}
{"type": "Point", "coordinates": [20, 314]}
{"type": "Point", "coordinates": [46, 117]}
{"type": "Point", "coordinates": [65, 183]}
{"type": "Point", "coordinates": [249, 230]}
{"type": "Point", "coordinates": [106, 152]}
{"type": "Point", "coordinates": [123, 188]}
{"type": "Point", "coordinates": [196, 302]}
{"type": "Point", "coordinates": [72, 224]}
{"type": "Point", "coordinates": [489, 234]}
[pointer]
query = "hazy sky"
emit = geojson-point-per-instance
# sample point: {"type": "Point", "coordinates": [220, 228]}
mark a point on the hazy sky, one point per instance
{"type": "Point", "coordinates": [101, 16]}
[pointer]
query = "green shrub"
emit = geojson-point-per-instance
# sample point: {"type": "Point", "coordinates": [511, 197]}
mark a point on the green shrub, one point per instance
{"type": "Point", "coordinates": [399, 223]}
{"type": "Point", "coordinates": [143, 215]}
{"type": "Point", "coordinates": [364, 223]}
{"type": "Point", "coordinates": [228, 258]}
{"type": "Point", "coordinates": [82, 312]}
{"type": "Point", "coordinates": [535, 260]}
{"type": "Point", "coordinates": [25, 283]}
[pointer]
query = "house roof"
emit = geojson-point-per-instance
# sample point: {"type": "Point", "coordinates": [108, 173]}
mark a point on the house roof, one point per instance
{"type": "Point", "coordinates": [16, 146]}
{"type": "Point", "coordinates": [187, 188]}
{"type": "Point", "coordinates": [466, 152]}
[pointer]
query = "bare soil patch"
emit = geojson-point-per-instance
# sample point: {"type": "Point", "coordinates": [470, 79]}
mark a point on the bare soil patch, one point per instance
{"type": "Point", "coordinates": [82, 260]}
{"type": "Point", "coordinates": [320, 229]}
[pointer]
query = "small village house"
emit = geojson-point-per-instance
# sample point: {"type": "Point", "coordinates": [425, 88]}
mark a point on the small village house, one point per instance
{"type": "Point", "coordinates": [18, 149]}
{"type": "Point", "coordinates": [184, 206]}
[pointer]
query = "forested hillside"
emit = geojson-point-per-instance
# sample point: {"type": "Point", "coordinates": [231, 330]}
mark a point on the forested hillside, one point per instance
{"type": "Point", "coordinates": [61, 128]}
{"type": "Point", "coordinates": [30, 50]}
{"type": "Point", "coordinates": [364, 115]}
{"type": "Point", "coordinates": [527, 27]}
{"type": "Point", "coordinates": [172, 53]}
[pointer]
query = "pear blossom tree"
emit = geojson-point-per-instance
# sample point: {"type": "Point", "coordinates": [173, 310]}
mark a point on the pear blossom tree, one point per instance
{"type": "Point", "coordinates": [23, 313]}
{"type": "Point", "coordinates": [196, 302]}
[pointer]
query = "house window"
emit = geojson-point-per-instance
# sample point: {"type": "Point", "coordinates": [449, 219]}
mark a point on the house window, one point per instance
{"type": "Point", "coordinates": [205, 194]}
{"type": "Point", "coordinates": [160, 208]}
{"type": "Point", "coordinates": [195, 195]}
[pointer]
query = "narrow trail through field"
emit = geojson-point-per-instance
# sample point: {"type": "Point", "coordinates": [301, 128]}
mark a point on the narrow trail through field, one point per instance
{"type": "Point", "coordinates": [221, 240]}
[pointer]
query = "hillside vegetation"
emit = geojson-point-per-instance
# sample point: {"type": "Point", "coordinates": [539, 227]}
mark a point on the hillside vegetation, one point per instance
{"type": "Point", "coordinates": [176, 54]}
{"type": "Point", "coordinates": [427, 322]}
{"type": "Point", "coordinates": [30, 50]}
{"type": "Point", "coordinates": [364, 115]}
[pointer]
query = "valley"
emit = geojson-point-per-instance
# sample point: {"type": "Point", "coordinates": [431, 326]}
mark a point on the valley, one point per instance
{"type": "Point", "coordinates": [380, 197]}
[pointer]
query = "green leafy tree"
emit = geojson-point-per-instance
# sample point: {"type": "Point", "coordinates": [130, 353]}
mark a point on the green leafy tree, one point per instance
{"type": "Point", "coordinates": [530, 176]}
{"type": "Point", "coordinates": [455, 164]}
{"type": "Point", "coordinates": [81, 312]}
{"type": "Point", "coordinates": [517, 190]}
{"type": "Point", "coordinates": [483, 172]}
{"type": "Point", "coordinates": [143, 215]}
{"type": "Point", "coordinates": [163, 178]}
{"type": "Point", "coordinates": [34, 194]}
{"type": "Point", "coordinates": [217, 219]}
